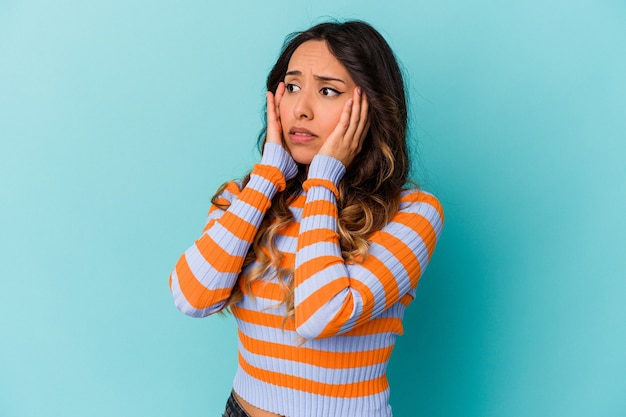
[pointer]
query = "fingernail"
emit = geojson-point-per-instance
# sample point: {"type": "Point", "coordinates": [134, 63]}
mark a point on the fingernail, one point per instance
{"type": "Point", "coordinates": [358, 90]}
{"type": "Point", "coordinates": [350, 102]}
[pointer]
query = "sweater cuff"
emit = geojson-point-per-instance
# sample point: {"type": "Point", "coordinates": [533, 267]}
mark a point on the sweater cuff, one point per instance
{"type": "Point", "coordinates": [324, 167]}
{"type": "Point", "coordinates": [275, 155]}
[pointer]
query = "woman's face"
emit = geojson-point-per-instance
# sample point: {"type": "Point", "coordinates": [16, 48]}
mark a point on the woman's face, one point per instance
{"type": "Point", "coordinates": [317, 88]}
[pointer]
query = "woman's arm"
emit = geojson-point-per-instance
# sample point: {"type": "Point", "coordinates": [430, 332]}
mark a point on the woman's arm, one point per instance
{"type": "Point", "coordinates": [205, 274]}
{"type": "Point", "coordinates": [332, 296]}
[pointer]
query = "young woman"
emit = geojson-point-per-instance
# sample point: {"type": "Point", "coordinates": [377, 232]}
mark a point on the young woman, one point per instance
{"type": "Point", "coordinates": [319, 249]}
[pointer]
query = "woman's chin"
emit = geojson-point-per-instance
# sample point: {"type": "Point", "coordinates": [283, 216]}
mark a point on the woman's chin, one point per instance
{"type": "Point", "coordinates": [303, 158]}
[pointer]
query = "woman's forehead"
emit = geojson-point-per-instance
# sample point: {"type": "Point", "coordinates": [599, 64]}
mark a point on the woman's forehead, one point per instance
{"type": "Point", "coordinates": [315, 57]}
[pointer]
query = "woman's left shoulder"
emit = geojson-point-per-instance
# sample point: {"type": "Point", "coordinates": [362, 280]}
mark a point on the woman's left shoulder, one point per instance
{"type": "Point", "coordinates": [418, 201]}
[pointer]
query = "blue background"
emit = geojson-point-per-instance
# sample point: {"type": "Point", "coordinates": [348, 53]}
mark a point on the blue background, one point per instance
{"type": "Point", "coordinates": [118, 120]}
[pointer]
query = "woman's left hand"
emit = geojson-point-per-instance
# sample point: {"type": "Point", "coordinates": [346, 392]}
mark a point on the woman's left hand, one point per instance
{"type": "Point", "coordinates": [345, 142]}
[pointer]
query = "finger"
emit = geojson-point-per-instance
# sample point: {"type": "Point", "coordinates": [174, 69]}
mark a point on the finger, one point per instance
{"type": "Point", "coordinates": [363, 135]}
{"type": "Point", "coordinates": [355, 116]}
{"type": "Point", "coordinates": [271, 107]}
{"type": "Point", "coordinates": [344, 120]}
{"type": "Point", "coordinates": [274, 129]}
{"type": "Point", "coordinates": [278, 97]}
{"type": "Point", "coordinates": [334, 141]}
{"type": "Point", "coordinates": [363, 125]}
{"type": "Point", "coordinates": [280, 92]}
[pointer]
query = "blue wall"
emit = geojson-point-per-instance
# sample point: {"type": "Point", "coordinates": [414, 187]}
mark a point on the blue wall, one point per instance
{"type": "Point", "coordinates": [119, 119]}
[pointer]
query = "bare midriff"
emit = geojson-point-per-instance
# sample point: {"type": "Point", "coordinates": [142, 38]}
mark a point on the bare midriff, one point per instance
{"type": "Point", "coordinates": [252, 410]}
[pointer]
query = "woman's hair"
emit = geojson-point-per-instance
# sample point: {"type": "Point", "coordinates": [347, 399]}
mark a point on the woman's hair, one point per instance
{"type": "Point", "coordinates": [369, 193]}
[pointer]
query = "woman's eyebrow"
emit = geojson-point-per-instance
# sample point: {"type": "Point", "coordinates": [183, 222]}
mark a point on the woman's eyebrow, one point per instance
{"type": "Point", "coordinates": [317, 77]}
{"type": "Point", "coordinates": [323, 78]}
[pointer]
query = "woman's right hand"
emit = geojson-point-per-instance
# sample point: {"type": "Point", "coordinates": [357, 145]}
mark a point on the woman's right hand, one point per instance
{"type": "Point", "coordinates": [274, 127]}
{"type": "Point", "coordinates": [279, 156]}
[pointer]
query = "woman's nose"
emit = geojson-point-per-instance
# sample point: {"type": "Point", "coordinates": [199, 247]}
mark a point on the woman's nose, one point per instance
{"type": "Point", "coordinates": [303, 108]}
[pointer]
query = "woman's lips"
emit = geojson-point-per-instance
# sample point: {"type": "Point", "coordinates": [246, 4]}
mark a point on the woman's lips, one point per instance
{"type": "Point", "coordinates": [301, 135]}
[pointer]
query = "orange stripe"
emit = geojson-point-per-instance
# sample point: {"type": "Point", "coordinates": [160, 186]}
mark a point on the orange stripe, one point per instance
{"type": "Point", "coordinates": [403, 253]}
{"type": "Point", "coordinates": [299, 202]}
{"type": "Point", "coordinates": [213, 207]}
{"type": "Point", "coordinates": [406, 299]}
{"type": "Point", "coordinates": [315, 236]}
{"type": "Point", "coordinates": [377, 326]}
{"type": "Point", "coordinates": [233, 187]}
{"type": "Point", "coordinates": [318, 182]}
{"type": "Point", "coordinates": [319, 298]}
{"type": "Point", "coordinates": [308, 268]}
{"type": "Point", "coordinates": [288, 260]}
{"type": "Point", "coordinates": [321, 207]}
{"type": "Point", "coordinates": [196, 294]}
{"type": "Point", "coordinates": [421, 226]}
{"type": "Point", "coordinates": [356, 389]}
{"type": "Point", "coordinates": [272, 174]}
{"type": "Point", "coordinates": [217, 257]}
{"type": "Point", "coordinates": [261, 318]}
{"type": "Point", "coordinates": [208, 225]}
{"type": "Point", "coordinates": [292, 229]}
{"type": "Point", "coordinates": [238, 226]}
{"type": "Point", "coordinates": [222, 201]}
{"type": "Point", "coordinates": [266, 289]}
{"type": "Point", "coordinates": [423, 197]}
{"type": "Point", "coordinates": [255, 199]}
{"type": "Point", "coordinates": [316, 357]}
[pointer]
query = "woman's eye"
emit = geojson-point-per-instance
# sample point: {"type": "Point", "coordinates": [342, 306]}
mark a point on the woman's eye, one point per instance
{"type": "Point", "coordinates": [330, 92]}
{"type": "Point", "coordinates": [291, 88]}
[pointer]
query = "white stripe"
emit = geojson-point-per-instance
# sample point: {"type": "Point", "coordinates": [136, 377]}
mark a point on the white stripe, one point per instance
{"type": "Point", "coordinates": [317, 249]}
{"type": "Point", "coordinates": [395, 266]}
{"type": "Point", "coordinates": [428, 212]}
{"type": "Point", "coordinates": [316, 196]}
{"type": "Point", "coordinates": [287, 244]}
{"type": "Point", "coordinates": [229, 195]}
{"type": "Point", "coordinates": [208, 276]}
{"type": "Point", "coordinates": [226, 240]}
{"type": "Point", "coordinates": [261, 184]}
{"type": "Point", "coordinates": [296, 212]}
{"type": "Point", "coordinates": [321, 192]}
{"type": "Point", "coordinates": [319, 221]}
{"type": "Point", "coordinates": [247, 212]}
{"type": "Point", "coordinates": [214, 215]}
{"type": "Point", "coordinates": [265, 305]}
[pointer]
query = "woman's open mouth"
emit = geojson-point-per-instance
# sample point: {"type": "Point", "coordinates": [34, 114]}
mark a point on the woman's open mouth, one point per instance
{"type": "Point", "coordinates": [301, 135]}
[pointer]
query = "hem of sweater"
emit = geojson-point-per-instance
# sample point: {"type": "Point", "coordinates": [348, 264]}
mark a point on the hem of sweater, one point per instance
{"type": "Point", "coordinates": [290, 402]}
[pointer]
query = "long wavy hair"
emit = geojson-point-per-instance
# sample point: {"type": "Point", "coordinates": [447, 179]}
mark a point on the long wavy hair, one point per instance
{"type": "Point", "coordinates": [369, 193]}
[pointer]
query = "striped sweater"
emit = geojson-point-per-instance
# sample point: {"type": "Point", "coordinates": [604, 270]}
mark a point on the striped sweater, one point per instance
{"type": "Point", "coordinates": [331, 359]}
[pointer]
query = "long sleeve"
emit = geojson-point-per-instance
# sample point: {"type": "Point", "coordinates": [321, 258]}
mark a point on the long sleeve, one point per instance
{"type": "Point", "coordinates": [333, 297]}
{"type": "Point", "coordinates": [205, 274]}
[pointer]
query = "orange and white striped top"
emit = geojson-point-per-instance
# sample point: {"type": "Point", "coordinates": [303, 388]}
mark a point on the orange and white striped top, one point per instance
{"type": "Point", "coordinates": [331, 359]}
